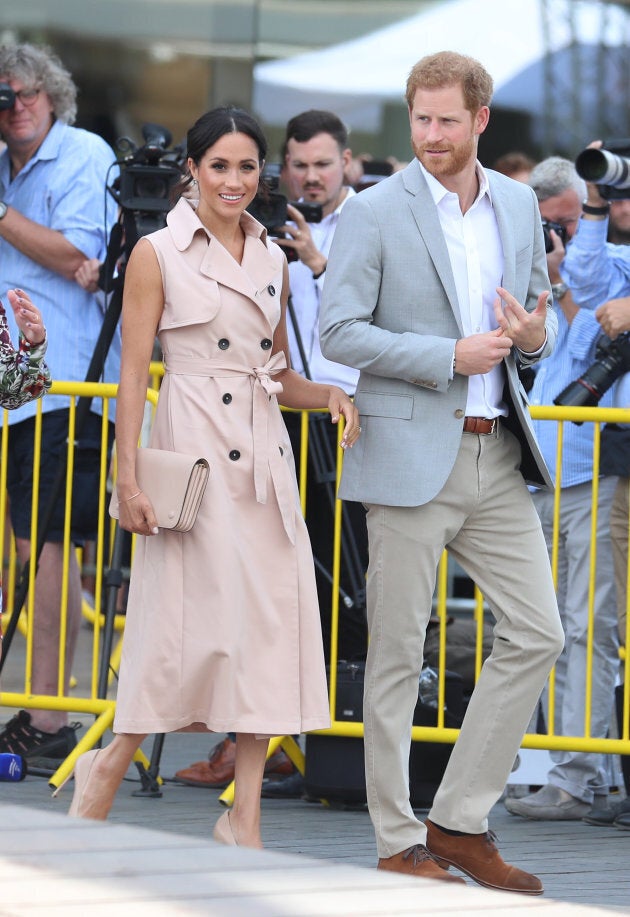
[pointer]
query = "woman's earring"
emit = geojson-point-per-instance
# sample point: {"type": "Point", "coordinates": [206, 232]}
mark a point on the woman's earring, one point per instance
{"type": "Point", "coordinates": [195, 183]}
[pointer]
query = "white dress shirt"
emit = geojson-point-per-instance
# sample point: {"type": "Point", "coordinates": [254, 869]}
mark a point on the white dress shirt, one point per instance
{"type": "Point", "coordinates": [476, 255]}
{"type": "Point", "coordinates": [305, 297]}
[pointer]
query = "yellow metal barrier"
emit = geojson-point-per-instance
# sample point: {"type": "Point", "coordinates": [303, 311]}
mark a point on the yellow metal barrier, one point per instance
{"type": "Point", "coordinates": [103, 709]}
{"type": "Point", "coordinates": [547, 740]}
{"type": "Point", "coordinates": [22, 695]}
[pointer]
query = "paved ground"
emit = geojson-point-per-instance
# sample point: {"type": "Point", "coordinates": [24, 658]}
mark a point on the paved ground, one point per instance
{"type": "Point", "coordinates": [328, 853]}
{"type": "Point", "coordinates": [579, 864]}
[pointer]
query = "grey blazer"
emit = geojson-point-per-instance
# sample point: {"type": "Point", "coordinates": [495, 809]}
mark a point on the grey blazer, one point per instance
{"type": "Point", "coordinates": [389, 308]}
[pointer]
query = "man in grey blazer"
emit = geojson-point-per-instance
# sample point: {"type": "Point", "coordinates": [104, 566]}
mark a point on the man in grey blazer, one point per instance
{"type": "Point", "coordinates": [436, 288]}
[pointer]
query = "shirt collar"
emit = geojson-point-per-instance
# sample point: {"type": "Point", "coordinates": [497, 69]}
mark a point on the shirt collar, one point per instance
{"type": "Point", "coordinates": [48, 149]}
{"type": "Point", "coordinates": [439, 192]}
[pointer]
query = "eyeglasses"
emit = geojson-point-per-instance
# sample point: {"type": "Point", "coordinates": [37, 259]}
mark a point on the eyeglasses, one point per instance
{"type": "Point", "coordinates": [27, 97]}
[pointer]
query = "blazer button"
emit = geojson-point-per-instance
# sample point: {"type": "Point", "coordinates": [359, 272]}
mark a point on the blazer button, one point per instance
{"type": "Point", "coordinates": [227, 398]}
{"type": "Point", "coordinates": [265, 344]}
{"type": "Point", "coordinates": [224, 344]}
{"type": "Point", "coordinates": [271, 290]}
{"type": "Point", "coordinates": [235, 455]}
{"type": "Point", "coordinates": [459, 413]}
{"type": "Point", "coordinates": [281, 450]}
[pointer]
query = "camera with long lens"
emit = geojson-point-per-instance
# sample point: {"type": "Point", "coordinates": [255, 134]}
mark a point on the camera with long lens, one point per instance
{"type": "Point", "coordinates": [608, 168]}
{"type": "Point", "coordinates": [269, 206]}
{"type": "Point", "coordinates": [148, 175]}
{"type": "Point", "coordinates": [7, 97]}
{"type": "Point", "coordinates": [612, 360]}
{"type": "Point", "coordinates": [548, 225]}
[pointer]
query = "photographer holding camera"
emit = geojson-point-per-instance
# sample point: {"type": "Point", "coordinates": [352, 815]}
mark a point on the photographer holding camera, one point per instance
{"type": "Point", "coordinates": [52, 189]}
{"type": "Point", "coordinates": [578, 779]}
{"type": "Point", "coordinates": [599, 273]}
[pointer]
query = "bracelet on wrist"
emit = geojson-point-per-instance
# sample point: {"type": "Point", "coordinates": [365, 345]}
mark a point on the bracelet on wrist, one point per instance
{"type": "Point", "coordinates": [599, 211]}
{"type": "Point", "coordinates": [132, 497]}
{"type": "Point", "coordinates": [317, 276]}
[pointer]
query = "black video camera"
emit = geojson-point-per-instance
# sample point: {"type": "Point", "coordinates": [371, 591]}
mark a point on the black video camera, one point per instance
{"type": "Point", "coordinates": [269, 207]}
{"type": "Point", "coordinates": [148, 175]}
{"type": "Point", "coordinates": [7, 97]}
{"type": "Point", "coordinates": [612, 359]}
{"type": "Point", "coordinates": [557, 227]}
{"type": "Point", "coordinates": [608, 168]}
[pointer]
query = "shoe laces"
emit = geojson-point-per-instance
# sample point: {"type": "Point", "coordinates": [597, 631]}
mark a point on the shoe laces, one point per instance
{"type": "Point", "coordinates": [218, 751]}
{"type": "Point", "coordinates": [491, 839]}
{"type": "Point", "coordinates": [419, 854]}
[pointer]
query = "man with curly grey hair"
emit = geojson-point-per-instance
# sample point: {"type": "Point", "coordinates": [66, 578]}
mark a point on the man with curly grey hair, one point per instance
{"type": "Point", "coordinates": [54, 214]}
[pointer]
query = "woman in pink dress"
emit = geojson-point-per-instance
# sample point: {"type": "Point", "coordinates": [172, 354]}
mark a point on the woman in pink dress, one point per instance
{"type": "Point", "coordinates": [223, 628]}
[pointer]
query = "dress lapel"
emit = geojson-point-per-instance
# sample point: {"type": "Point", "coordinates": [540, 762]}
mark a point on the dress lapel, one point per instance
{"type": "Point", "coordinates": [258, 268]}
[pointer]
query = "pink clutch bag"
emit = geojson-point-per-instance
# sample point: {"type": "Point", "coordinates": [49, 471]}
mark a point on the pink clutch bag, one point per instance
{"type": "Point", "coordinates": [173, 482]}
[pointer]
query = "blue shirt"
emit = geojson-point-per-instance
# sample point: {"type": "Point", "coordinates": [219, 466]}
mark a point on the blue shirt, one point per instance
{"type": "Point", "coordinates": [62, 187]}
{"type": "Point", "coordinates": [571, 357]}
{"type": "Point", "coordinates": [596, 270]}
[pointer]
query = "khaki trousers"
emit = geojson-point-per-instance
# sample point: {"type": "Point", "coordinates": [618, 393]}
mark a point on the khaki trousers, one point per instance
{"type": "Point", "coordinates": [484, 515]}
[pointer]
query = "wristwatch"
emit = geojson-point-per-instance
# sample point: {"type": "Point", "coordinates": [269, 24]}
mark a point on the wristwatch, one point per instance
{"type": "Point", "coordinates": [3, 209]}
{"type": "Point", "coordinates": [559, 290]}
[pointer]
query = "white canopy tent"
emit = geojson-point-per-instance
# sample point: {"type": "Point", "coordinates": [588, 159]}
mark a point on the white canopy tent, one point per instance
{"type": "Point", "coordinates": [357, 78]}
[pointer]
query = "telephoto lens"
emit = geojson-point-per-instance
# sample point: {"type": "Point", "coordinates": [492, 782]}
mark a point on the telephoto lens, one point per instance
{"type": "Point", "coordinates": [12, 767]}
{"type": "Point", "coordinates": [604, 168]}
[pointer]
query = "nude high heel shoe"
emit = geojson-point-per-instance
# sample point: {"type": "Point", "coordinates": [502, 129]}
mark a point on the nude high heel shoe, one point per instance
{"type": "Point", "coordinates": [82, 771]}
{"type": "Point", "coordinates": [223, 833]}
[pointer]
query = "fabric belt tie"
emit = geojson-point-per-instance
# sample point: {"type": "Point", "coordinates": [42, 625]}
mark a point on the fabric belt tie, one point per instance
{"type": "Point", "coordinates": [480, 425]}
{"type": "Point", "coordinates": [266, 454]}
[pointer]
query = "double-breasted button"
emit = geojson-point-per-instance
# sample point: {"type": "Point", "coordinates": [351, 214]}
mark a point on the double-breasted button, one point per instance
{"type": "Point", "coordinates": [235, 455]}
{"type": "Point", "coordinates": [224, 344]}
{"type": "Point", "coordinates": [281, 450]}
{"type": "Point", "coordinates": [459, 413]}
{"type": "Point", "coordinates": [271, 290]}
{"type": "Point", "coordinates": [265, 344]}
{"type": "Point", "coordinates": [227, 398]}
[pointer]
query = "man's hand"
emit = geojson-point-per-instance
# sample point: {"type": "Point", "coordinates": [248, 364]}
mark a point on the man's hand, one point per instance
{"type": "Point", "coordinates": [87, 275]}
{"type": "Point", "coordinates": [593, 197]}
{"type": "Point", "coordinates": [480, 353]}
{"type": "Point", "coordinates": [526, 329]}
{"type": "Point", "coordinates": [301, 241]}
{"type": "Point", "coordinates": [555, 257]}
{"type": "Point", "coordinates": [614, 316]}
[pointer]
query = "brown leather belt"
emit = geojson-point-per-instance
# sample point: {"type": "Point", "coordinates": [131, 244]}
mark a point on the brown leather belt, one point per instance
{"type": "Point", "coordinates": [480, 425]}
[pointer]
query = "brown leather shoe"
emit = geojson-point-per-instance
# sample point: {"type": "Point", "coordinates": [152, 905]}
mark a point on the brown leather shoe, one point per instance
{"type": "Point", "coordinates": [417, 861]}
{"type": "Point", "coordinates": [478, 857]}
{"type": "Point", "coordinates": [218, 771]}
{"type": "Point", "coordinates": [279, 765]}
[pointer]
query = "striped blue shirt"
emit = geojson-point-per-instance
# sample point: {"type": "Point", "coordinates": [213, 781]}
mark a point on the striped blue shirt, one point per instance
{"type": "Point", "coordinates": [62, 187]}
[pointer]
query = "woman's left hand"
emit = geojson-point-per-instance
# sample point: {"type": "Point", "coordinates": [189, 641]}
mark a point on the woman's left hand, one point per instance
{"type": "Point", "coordinates": [340, 404]}
{"type": "Point", "coordinates": [27, 316]}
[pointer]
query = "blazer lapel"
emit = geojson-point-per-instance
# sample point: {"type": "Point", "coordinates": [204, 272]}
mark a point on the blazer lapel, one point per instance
{"type": "Point", "coordinates": [505, 215]}
{"type": "Point", "coordinates": [427, 220]}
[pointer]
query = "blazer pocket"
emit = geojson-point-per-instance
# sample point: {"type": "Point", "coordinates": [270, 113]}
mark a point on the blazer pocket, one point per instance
{"type": "Point", "coordinates": [383, 404]}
